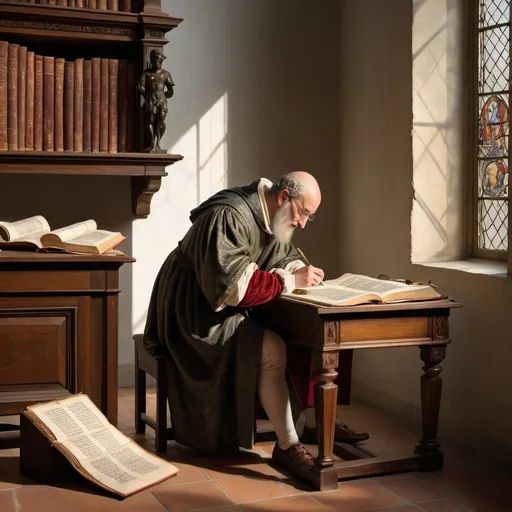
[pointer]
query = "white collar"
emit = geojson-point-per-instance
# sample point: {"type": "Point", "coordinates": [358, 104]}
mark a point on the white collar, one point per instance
{"type": "Point", "coordinates": [264, 185]}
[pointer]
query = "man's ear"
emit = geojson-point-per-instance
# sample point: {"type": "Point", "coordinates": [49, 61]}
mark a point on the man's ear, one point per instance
{"type": "Point", "coordinates": [283, 196]}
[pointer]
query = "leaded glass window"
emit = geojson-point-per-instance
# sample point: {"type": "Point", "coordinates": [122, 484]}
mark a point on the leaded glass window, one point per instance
{"type": "Point", "coordinates": [493, 123]}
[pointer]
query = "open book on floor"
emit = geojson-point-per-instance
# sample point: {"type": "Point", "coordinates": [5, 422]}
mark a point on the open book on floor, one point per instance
{"type": "Point", "coordinates": [94, 447]}
{"type": "Point", "coordinates": [354, 289]}
{"type": "Point", "coordinates": [34, 234]}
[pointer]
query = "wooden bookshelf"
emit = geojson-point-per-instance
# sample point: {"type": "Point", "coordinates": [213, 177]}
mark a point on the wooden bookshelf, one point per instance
{"type": "Point", "coordinates": [78, 36]}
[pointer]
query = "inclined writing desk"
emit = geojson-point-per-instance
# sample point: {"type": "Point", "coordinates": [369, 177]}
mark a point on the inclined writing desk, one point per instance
{"type": "Point", "coordinates": [327, 331]}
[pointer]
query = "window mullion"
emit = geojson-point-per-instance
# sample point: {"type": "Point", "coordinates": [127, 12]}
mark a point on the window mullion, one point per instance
{"type": "Point", "coordinates": [509, 160]}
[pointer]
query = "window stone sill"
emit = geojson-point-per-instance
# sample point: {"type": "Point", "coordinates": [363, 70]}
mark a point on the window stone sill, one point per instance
{"type": "Point", "coordinates": [471, 266]}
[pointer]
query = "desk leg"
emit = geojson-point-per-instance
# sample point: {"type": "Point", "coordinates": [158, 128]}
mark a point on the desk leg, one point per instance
{"type": "Point", "coordinates": [326, 393]}
{"type": "Point", "coordinates": [431, 387]}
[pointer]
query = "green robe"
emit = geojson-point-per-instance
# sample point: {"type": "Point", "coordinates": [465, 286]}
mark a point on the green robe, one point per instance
{"type": "Point", "coordinates": [213, 356]}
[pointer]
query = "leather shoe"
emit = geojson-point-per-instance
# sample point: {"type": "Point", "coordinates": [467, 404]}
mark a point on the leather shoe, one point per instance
{"type": "Point", "coordinates": [342, 434]}
{"type": "Point", "coordinates": [297, 458]}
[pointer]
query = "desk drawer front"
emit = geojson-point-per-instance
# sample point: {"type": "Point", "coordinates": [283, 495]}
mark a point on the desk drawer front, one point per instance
{"type": "Point", "coordinates": [373, 329]}
{"type": "Point", "coordinates": [33, 350]}
{"type": "Point", "coordinates": [50, 281]}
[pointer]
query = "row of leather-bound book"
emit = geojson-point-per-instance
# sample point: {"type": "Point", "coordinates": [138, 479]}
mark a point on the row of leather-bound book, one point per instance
{"type": "Point", "coordinates": [51, 104]}
{"type": "Point", "coordinates": [102, 5]}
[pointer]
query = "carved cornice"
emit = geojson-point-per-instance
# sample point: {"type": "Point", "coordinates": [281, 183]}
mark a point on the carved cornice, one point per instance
{"type": "Point", "coordinates": [69, 27]}
{"type": "Point", "coordinates": [57, 22]}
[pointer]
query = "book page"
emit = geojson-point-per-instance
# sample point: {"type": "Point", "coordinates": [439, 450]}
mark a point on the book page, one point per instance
{"type": "Point", "coordinates": [99, 442]}
{"type": "Point", "coordinates": [76, 230]}
{"type": "Point", "coordinates": [367, 284]}
{"type": "Point", "coordinates": [70, 417]}
{"type": "Point", "coordinates": [331, 295]}
{"type": "Point", "coordinates": [128, 468]}
{"type": "Point", "coordinates": [28, 229]}
{"type": "Point", "coordinates": [95, 238]}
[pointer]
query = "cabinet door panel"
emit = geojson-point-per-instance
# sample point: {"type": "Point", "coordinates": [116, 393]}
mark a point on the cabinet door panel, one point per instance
{"type": "Point", "coordinates": [34, 349]}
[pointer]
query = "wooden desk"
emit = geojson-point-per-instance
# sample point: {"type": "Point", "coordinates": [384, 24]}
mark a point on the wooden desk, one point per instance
{"type": "Point", "coordinates": [328, 331]}
{"type": "Point", "coordinates": [58, 328]}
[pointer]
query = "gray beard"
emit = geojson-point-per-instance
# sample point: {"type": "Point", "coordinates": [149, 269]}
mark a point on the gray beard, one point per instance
{"type": "Point", "coordinates": [281, 224]}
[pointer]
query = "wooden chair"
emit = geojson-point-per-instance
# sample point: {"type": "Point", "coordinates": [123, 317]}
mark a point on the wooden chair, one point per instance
{"type": "Point", "coordinates": [145, 363]}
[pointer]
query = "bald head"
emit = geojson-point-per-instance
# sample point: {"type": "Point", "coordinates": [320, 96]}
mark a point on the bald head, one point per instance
{"type": "Point", "coordinates": [307, 184]}
{"type": "Point", "coordinates": [300, 184]}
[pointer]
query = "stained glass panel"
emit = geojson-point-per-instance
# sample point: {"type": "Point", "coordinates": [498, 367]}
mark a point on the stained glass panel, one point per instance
{"type": "Point", "coordinates": [493, 180]}
{"type": "Point", "coordinates": [495, 58]}
{"type": "Point", "coordinates": [493, 124]}
{"type": "Point", "coordinates": [493, 225]}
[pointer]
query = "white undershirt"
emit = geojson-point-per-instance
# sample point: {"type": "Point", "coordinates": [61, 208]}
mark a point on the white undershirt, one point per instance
{"type": "Point", "coordinates": [286, 274]}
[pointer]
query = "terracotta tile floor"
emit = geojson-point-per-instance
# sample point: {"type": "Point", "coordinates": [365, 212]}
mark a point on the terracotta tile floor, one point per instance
{"type": "Point", "coordinates": [249, 484]}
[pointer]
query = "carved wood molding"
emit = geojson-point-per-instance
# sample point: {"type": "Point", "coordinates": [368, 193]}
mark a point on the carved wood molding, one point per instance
{"type": "Point", "coordinates": [331, 334]}
{"type": "Point", "coordinates": [143, 189]}
{"type": "Point", "coordinates": [440, 328]}
{"type": "Point", "coordinates": [67, 27]}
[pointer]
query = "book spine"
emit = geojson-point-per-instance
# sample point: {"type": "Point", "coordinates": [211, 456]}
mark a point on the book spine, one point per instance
{"type": "Point", "coordinates": [38, 103]}
{"type": "Point", "coordinates": [104, 112]}
{"type": "Point", "coordinates": [130, 101]}
{"type": "Point", "coordinates": [12, 97]}
{"type": "Point", "coordinates": [69, 105]}
{"type": "Point", "coordinates": [4, 52]}
{"type": "Point", "coordinates": [102, 5]}
{"type": "Point", "coordinates": [29, 107]}
{"type": "Point", "coordinates": [80, 3]}
{"type": "Point", "coordinates": [113, 77]}
{"type": "Point", "coordinates": [22, 86]}
{"type": "Point", "coordinates": [71, 3]}
{"type": "Point", "coordinates": [96, 102]}
{"type": "Point", "coordinates": [125, 5]}
{"type": "Point", "coordinates": [87, 106]}
{"type": "Point", "coordinates": [59, 104]}
{"type": "Point", "coordinates": [122, 109]}
{"type": "Point", "coordinates": [62, 3]}
{"type": "Point", "coordinates": [92, 4]}
{"type": "Point", "coordinates": [79, 105]}
{"type": "Point", "coordinates": [48, 102]}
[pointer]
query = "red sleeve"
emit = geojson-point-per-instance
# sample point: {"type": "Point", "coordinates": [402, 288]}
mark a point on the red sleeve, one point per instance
{"type": "Point", "coordinates": [263, 287]}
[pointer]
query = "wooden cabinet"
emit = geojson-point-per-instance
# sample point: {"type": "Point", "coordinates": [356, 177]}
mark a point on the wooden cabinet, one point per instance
{"type": "Point", "coordinates": [58, 328]}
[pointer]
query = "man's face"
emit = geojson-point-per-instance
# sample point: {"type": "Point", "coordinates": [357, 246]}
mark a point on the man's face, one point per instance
{"type": "Point", "coordinates": [293, 213]}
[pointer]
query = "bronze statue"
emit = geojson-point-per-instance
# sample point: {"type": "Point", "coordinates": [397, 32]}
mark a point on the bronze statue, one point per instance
{"type": "Point", "coordinates": [152, 86]}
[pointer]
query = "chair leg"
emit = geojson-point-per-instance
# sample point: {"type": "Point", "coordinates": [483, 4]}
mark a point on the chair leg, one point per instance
{"type": "Point", "coordinates": [161, 409]}
{"type": "Point", "coordinates": [140, 396]}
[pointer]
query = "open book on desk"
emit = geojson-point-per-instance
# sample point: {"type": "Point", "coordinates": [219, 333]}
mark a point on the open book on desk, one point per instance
{"type": "Point", "coordinates": [94, 447]}
{"type": "Point", "coordinates": [354, 289]}
{"type": "Point", "coordinates": [34, 234]}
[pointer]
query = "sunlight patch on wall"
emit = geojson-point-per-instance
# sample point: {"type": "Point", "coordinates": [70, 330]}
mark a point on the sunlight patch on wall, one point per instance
{"type": "Point", "coordinates": [202, 172]}
{"type": "Point", "coordinates": [213, 156]}
{"type": "Point", "coordinates": [438, 124]}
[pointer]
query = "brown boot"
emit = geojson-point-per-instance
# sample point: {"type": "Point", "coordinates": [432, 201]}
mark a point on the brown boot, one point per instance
{"type": "Point", "coordinates": [342, 434]}
{"type": "Point", "coordinates": [296, 458]}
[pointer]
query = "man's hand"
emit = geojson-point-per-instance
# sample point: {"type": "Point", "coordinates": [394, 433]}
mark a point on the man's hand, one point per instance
{"type": "Point", "coordinates": [308, 276]}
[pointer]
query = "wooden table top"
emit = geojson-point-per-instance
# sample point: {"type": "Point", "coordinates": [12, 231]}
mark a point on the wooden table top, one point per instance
{"type": "Point", "coordinates": [27, 257]}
